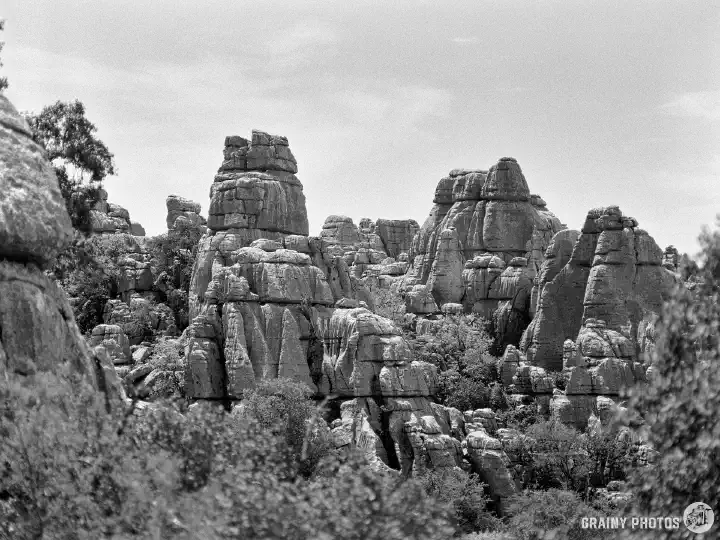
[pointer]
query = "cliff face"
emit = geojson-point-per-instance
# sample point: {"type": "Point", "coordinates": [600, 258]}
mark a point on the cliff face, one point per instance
{"type": "Point", "coordinates": [600, 292]}
{"type": "Point", "coordinates": [261, 288]}
{"type": "Point", "coordinates": [37, 328]}
{"type": "Point", "coordinates": [481, 246]}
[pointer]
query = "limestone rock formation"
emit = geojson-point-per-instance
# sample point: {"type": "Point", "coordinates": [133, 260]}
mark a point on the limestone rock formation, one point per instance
{"type": "Point", "coordinates": [482, 246]}
{"type": "Point", "coordinates": [366, 355]}
{"type": "Point", "coordinates": [372, 250]}
{"type": "Point", "coordinates": [614, 274]}
{"type": "Point", "coordinates": [598, 294]}
{"type": "Point", "coordinates": [183, 213]}
{"type": "Point", "coordinates": [396, 235]}
{"type": "Point", "coordinates": [492, 211]}
{"type": "Point", "coordinates": [37, 328]}
{"type": "Point", "coordinates": [136, 229]}
{"type": "Point", "coordinates": [261, 289]}
{"type": "Point", "coordinates": [109, 218]}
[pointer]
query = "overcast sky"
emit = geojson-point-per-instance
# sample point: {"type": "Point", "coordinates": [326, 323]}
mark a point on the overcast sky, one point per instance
{"type": "Point", "coordinates": [601, 102]}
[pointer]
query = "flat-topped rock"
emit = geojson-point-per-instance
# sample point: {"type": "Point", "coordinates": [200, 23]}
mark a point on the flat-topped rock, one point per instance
{"type": "Point", "coordinates": [263, 152]}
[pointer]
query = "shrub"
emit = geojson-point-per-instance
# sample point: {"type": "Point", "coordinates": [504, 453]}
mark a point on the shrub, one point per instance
{"type": "Point", "coordinates": [466, 494]}
{"type": "Point", "coordinates": [173, 258]}
{"type": "Point", "coordinates": [284, 407]}
{"type": "Point", "coordinates": [389, 304]}
{"type": "Point", "coordinates": [560, 455]}
{"type": "Point", "coordinates": [498, 399]}
{"type": "Point", "coordinates": [682, 401]}
{"type": "Point", "coordinates": [461, 392]}
{"type": "Point", "coordinates": [551, 514]}
{"type": "Point", "coordinates": [519, 417]}
{"type": "Point", "coordinates": [69, 470]}
{"type": "Point", "coordinates": [167, 354]}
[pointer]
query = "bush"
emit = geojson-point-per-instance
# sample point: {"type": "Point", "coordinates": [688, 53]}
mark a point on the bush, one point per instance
{"type": "Point", "coordinates": [560, 455]}
{"type": "Point", "coordinates": [167, 354]}
{"type": "Point", "coordinates": [519, 417]}
{"type": "Point", "coordinates": [682, 401]}
{"type": "Point", "coordinates": [551, 514]}
{"type": "Point", "coordinates": [466, 494]}
{"type": "Point", "coordinates": [461, 392]}
{"type": "Point", "coordinates": [69, 470]}
{"type": "Point", "coordinates": [284, 407]}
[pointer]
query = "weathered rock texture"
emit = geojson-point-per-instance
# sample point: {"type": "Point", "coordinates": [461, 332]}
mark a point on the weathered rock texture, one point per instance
{"type": "Point", "coordinates": [261, 289]}
{"type": "Point", "coordinates": [110, 218]}
{"type": "Point", "coordinates": [183, 213]}
{"type": "Point", "coordinates": [613, 274]}
{"type": "Point", "coordinates": [37, 328]}
{"type": "Point", "coordinates": [481, 246]}
{"type": "Point", "coordinates": [268, 301]}
{"type": "Point", "coordinates": [598, 294]}
{"type": "Point", "coordinates": [373, 250]}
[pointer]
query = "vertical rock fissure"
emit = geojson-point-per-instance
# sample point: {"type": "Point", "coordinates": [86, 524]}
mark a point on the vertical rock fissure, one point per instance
{"type": "Point", "coordinates": [225, 398]}
{"type": "Point", "coordinates": [386, 436]}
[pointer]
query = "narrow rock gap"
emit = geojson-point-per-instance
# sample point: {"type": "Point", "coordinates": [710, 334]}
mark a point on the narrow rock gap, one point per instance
{"type": "Point", "coordinates": [225, 399]}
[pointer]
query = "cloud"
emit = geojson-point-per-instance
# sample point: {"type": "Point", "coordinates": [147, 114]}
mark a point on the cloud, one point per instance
{"type": "Point", "coordinates": [695, 105]}
{"type": "Point", "coordinates": [472, 39]}
{"type": "Point", "coordinates": [394, 105]}
{"type": "Point", "coordinates": [300, 45]}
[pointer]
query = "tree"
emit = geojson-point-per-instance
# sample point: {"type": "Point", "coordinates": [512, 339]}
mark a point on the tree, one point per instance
{"type": "Point", "coordinates": [552, 514]}
{"type": "Point", "coordinates": [3, 80]}
{"type": "Point", "coordinates": [77, 155]}
{"type": "Point", "coordinates": [681, 402]}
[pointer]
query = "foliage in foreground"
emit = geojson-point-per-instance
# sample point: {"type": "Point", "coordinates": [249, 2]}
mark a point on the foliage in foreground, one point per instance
{"type": "Point", "coordinates": [682, 401]}
{"type": "Point", "coordinates": [552, 514]}
{"type": "Point", "coordinates": [69, 470]}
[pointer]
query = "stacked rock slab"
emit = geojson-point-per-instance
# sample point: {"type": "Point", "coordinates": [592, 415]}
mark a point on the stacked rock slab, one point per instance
{"type": "Point", "coordinates": [602, 299]}
{"type": "Point", "coordinates": [261, 288]}
{"type": "Point", "coordinates": [110, 218]}
{"type": "Point", "coordinates": [373, 250]}
{"type": "Point", "coordinates": [38, 332]}
{"type": "Point", "coordinates": [183, 213]}
{"type": "Point", "coordinates": [481, 246]}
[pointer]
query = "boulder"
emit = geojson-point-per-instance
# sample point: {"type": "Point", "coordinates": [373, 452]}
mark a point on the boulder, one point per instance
{"type": "Point", "coordinates": [38, 332]}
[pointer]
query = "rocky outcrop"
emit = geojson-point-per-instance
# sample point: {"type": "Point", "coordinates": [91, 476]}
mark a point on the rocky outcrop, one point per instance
{"type": "Point", "coordinates": [109, 218]}
{"type": "Point", "coordinates": [482, 246]}
{"type": "Point", "coordinates": [183, 213]}
{"type": "Point", "coordinates": [612, 281]}
{"type": "Point", "coordinates": [396, 235]}
{"type": "Point", "coordinates": [374, 250]}
{"type": "Point", "coordinates": [136, 229]}
{"type": "Point", "coordinates": [599, 292]}
{"type": "Point", "coordinates": [492, 212]}
{"type": "Point", "coordinates": [269, 301]}
{"type": "Point", "coordinates": [38, 332]}
{"type": "Point", "coordinates": [261, 289]}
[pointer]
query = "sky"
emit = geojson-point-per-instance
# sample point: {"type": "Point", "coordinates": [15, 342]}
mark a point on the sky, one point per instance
{"type": "Point", "coordinates": [601, 102]}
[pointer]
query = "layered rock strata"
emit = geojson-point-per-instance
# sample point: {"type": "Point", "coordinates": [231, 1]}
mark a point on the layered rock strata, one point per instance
{"type": "Point", "coordinates": [38, 332]}
{"type": "Point", "coordinates": [373, 249]}
{"type": "Point", "coordinates": [110, 218]}
{"type": "Point", "coordinates": [268, 301]}
{"type": "Point", "coordinates": [261, 288]}
{"type": "Point", "coordinates": [599, 292]}
{"type": "Point", "coordinates": [481, 246]}
{"type": "Point", "coordinates": [613, 279]}
{"type": "Point", "coordinates": [183, 213]}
